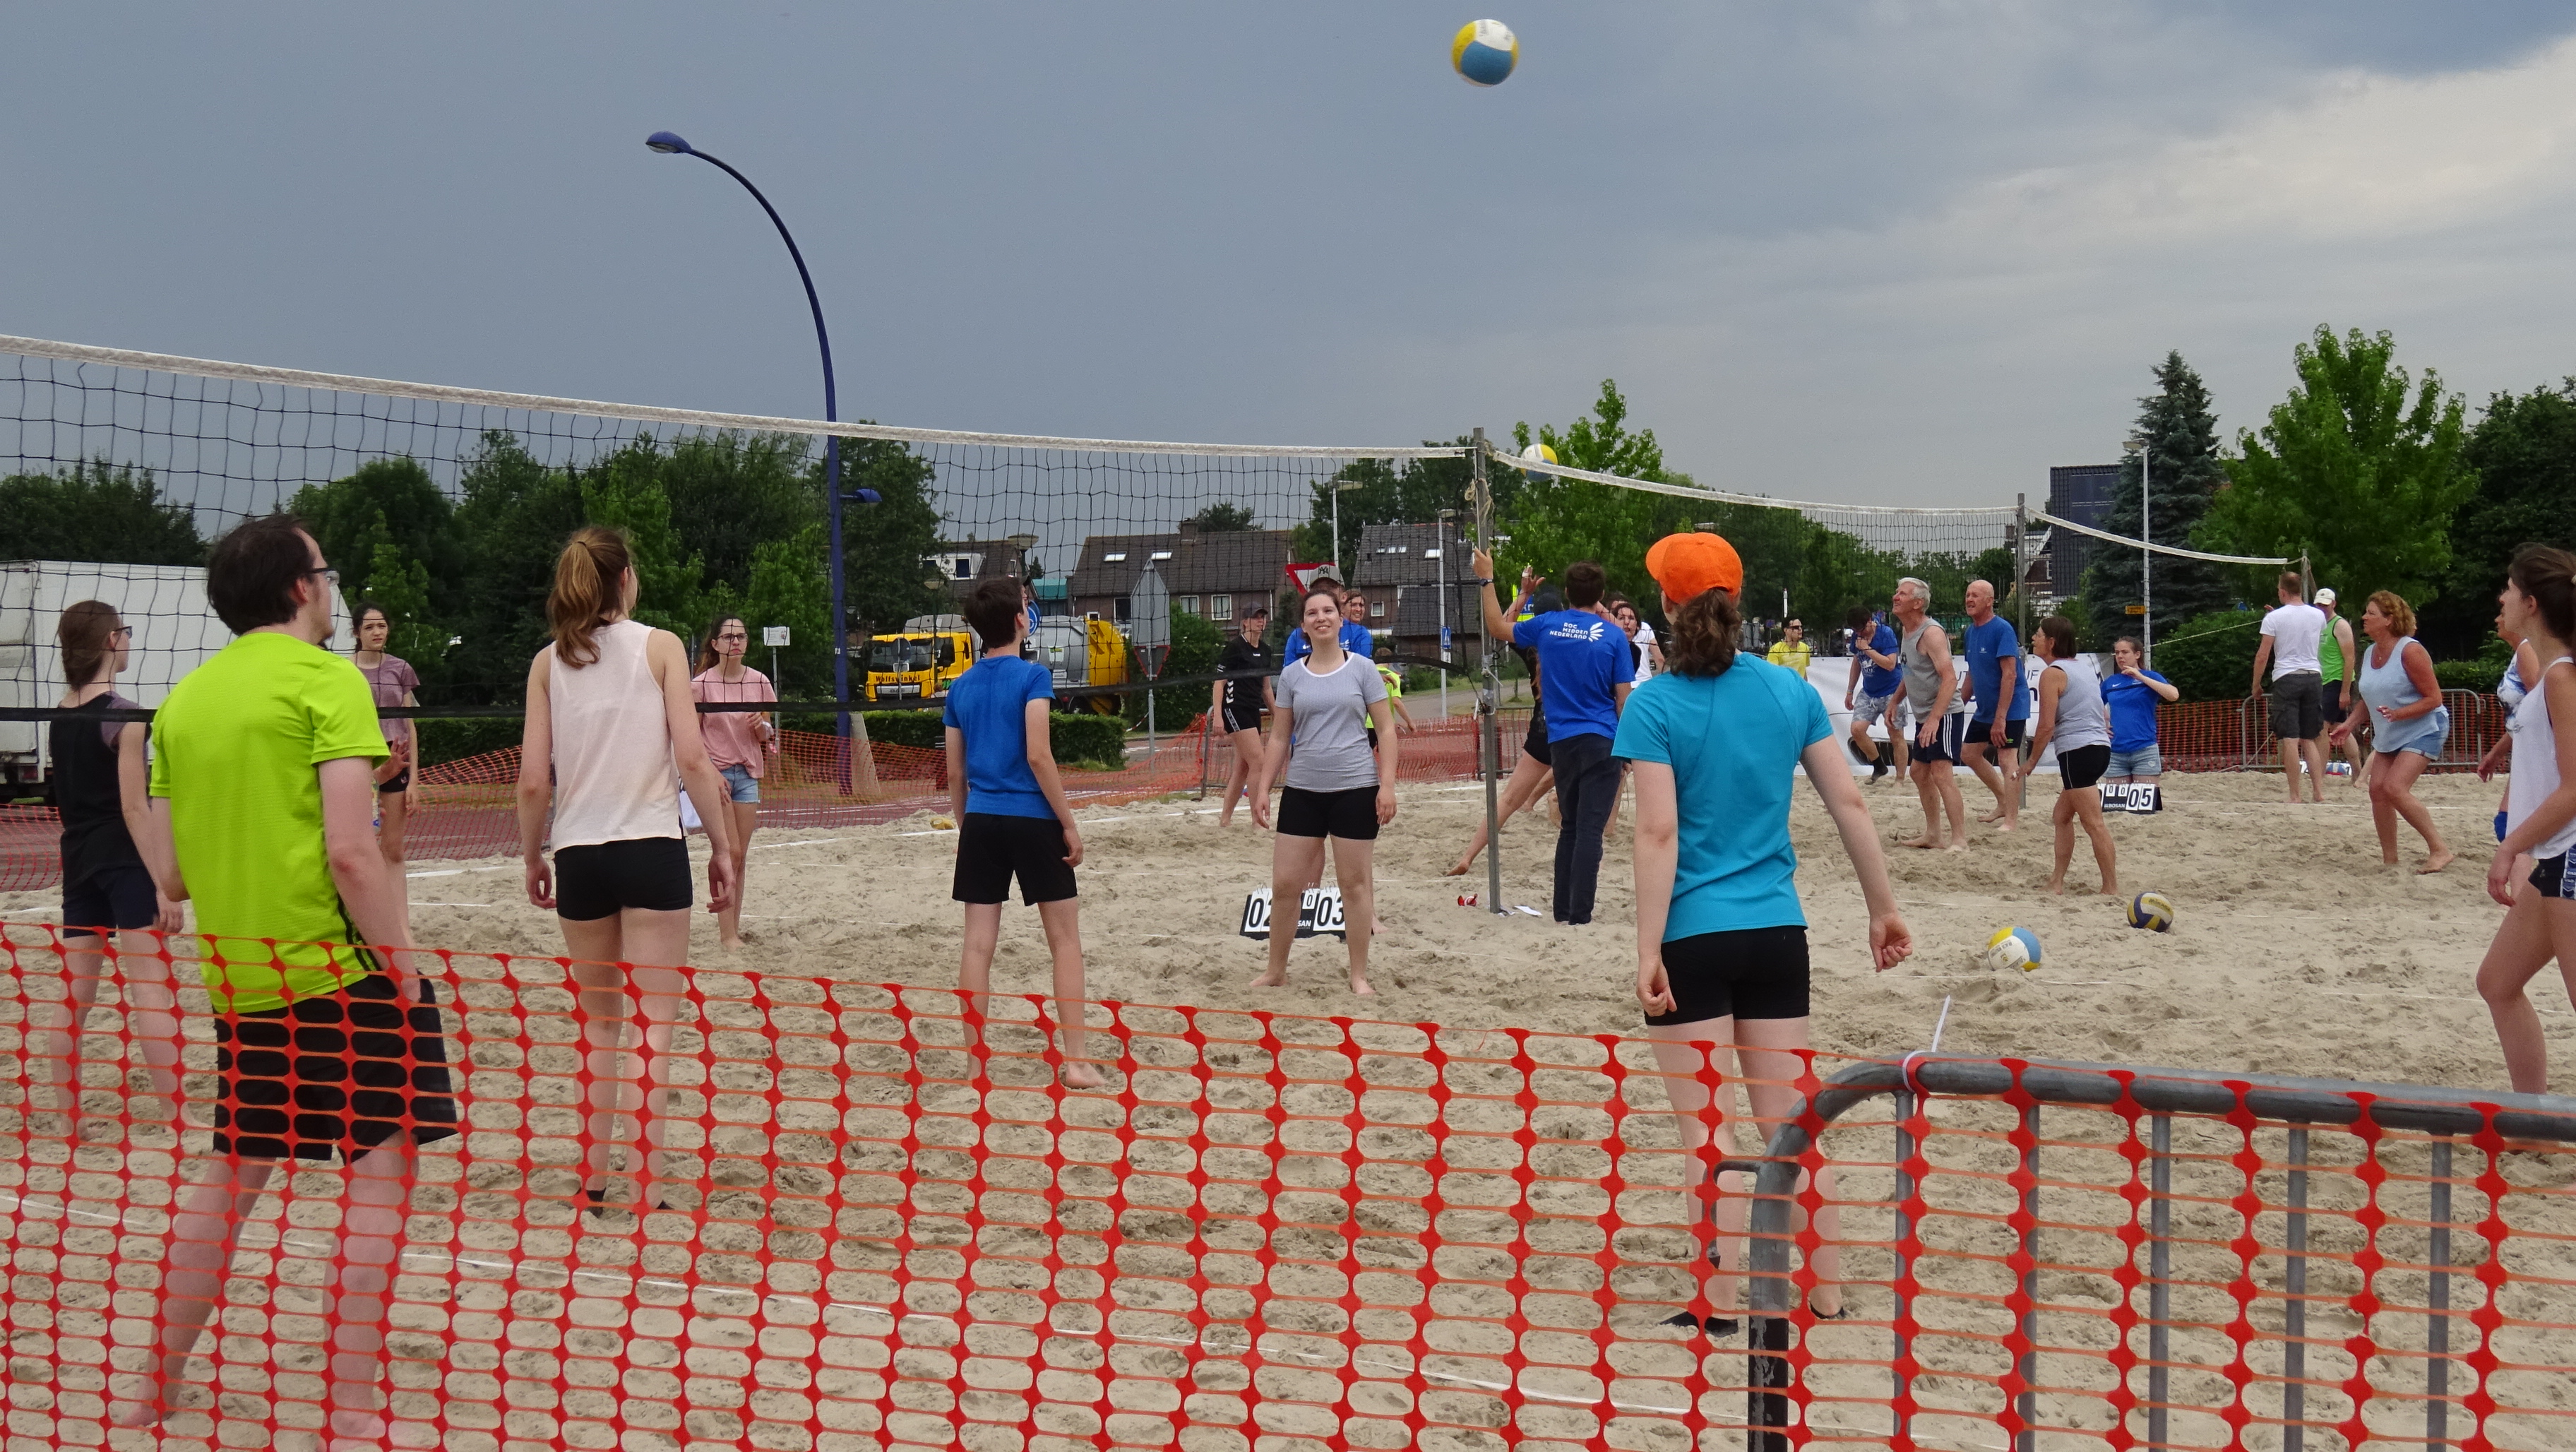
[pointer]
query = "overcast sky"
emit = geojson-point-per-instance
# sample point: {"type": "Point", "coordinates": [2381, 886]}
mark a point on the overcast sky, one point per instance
{"type": "Point", "coordinates": [1887, 253]}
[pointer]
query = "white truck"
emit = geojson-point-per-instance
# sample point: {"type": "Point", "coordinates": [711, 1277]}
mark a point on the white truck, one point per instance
{"type": "Point", "coordinates": [174, 630]}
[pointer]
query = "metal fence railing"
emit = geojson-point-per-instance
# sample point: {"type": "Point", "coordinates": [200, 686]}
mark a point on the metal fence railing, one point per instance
{"type": "Point", "coordinates": [2237, 735]}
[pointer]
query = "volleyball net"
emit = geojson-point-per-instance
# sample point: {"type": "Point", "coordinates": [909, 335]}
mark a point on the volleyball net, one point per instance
{"type": "Point", "coordinates": [887, 1225]}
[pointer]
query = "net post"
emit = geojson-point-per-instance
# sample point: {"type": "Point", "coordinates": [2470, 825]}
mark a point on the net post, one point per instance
{"type": "Point", "coordinates": [2437, 1326]}
{"type": "Point", "coordinates": [1489, 751]}
{"type": "Point", "coordinates": [2159, 1275]}
{"type": "Point", "coordinates": [2294, 1304]}
{"type": "Point", "coordinates": [2021, 607]}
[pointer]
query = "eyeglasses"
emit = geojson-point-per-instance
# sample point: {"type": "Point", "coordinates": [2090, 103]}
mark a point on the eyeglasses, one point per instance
{"type": "Point", "coordinates": [124, 630]}
{"type": "Point", "coordinates": [733, 635]}
{"type": "Point", "coordinates": [330, 577]}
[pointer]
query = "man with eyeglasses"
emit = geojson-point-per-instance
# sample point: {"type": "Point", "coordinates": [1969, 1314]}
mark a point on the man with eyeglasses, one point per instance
{"type": "Point", "coordinates": [263, 777]}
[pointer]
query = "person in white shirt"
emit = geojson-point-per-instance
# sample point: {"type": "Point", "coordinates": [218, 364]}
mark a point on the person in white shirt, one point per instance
{"type": "Point", "coordinates": [1641, 639]}
{"type": "Point", "coordinates": [2291, 637]}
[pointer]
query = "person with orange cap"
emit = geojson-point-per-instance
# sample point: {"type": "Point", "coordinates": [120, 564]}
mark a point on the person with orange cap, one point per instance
{"type": "Point", "coordinates": [1584, 672]}
{"type": "Point", "coordinates": [1716, 741]}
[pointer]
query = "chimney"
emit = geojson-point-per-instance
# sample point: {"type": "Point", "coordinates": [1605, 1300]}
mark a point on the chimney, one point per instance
{"type": "Point", "coordinates": [1189, 531]}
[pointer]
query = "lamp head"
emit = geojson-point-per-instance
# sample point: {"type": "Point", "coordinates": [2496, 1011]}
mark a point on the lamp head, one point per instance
{"type": "Point", "coordinates": [668, 143]}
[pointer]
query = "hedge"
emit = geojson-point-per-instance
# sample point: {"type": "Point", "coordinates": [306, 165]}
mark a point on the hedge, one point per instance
{"type": "Point", "coordinates": [454, 740]}
{"type": "Point", "coordinates": [1086, 740]}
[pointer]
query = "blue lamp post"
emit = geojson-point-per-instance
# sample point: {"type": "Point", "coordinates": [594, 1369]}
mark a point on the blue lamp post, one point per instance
{"type": "Point", "coordinates": [670, 144]}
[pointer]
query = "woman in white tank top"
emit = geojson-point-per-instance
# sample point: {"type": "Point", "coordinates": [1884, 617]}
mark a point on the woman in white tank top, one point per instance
{"type": "Point", "coordinates": [2538, 604]}
{"type": "Point", "coordinates": [610, 716]}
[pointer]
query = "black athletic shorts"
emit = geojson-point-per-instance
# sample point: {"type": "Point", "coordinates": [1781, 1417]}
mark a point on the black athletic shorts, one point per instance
{"type": "Point", "coordinates": [2330, 703]}
{"type": "Point", "coordinates": [337, 1073]}
{"type": "Point", "coordinates": [2298, 706]}
{"type": "Point", "coordinates": [1945, 740]}
{"type": "Point", "coordinates": [399, 782]}
{"type": "Point", "coordinates": [1982, 733]}
{"type": "Point", "coordinates": [992, 848]}
{"type": "Point", "coordinates": [117, 896]}
{"type": "Point", "coordinates": [2550, 875]}
{"type": "Point", "coordinates": [1233, 720]}
{"type": "Point", "coordinates": [1350, 815]}
{"type": "Point", "coordinates": [2083, 766]}
{"type": "Point", "coordinates": [1746, 973]}
{"type": "Point", "coordinates": [1534, 741]}
{"type": "Point", "coordinates": [598, 880]}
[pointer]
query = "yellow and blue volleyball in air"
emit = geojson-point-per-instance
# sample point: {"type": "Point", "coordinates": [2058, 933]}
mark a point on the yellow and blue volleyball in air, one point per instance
{"type": "Point", "coordinates": [2152, 911]}
{"type": "Point", "coordinates": [1534, 456]}
{"type": "Point", "coordinates": [2011, 948]}
{"type": "Point", "coordinates": [1484, 52]}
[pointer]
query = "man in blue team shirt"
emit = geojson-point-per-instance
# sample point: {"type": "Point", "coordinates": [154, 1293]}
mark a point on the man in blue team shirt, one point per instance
{"type": "Point", "coordinates": [1011, 813]}
{"type": "Point", "coordinates": [2001, 706]}
{"type": "Point", "coordinates": [1584, 669]}
{"type": "Point", "coordinates": [1879, 679]}
{"type": "Point", "coordinates": [1355, 636]}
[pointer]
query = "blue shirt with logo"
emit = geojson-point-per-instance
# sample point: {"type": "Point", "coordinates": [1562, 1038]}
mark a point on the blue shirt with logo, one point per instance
{"type": "Point", "coordinates": [1355, 639]}
{"type": "Point", "coordinates": [1875, 681]}
{"type": "Point", "coordinates": [1989, 646]}
{"type": "Point", "coordinates": [990, 705]}
{"type": "Point", "coordinates": [1580, 658]}
{"type": "Point", "coordinates": [2133, 711]}
{"type": "Point", "coordinates": [1733, 742]}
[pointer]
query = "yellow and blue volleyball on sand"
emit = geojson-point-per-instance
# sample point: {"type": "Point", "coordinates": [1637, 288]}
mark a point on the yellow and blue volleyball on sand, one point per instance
{"type": "Point", "coordinates": [2152, 911]}
{"type": "Point", "coordinates": [1484, 52]}
{"type": "Point", "coordinates": [2012, 947]}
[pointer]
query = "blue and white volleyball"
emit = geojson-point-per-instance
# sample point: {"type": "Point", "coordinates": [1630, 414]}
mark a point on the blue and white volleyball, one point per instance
{"type": "Point", "coordinates": [2012, 948]}
{"type": "Point", "coordinates": [1484, 53]}
{"type": "Point", "coordinates": [2152, 911]}
{"type": "Point", "coordinates": [1534, 456]}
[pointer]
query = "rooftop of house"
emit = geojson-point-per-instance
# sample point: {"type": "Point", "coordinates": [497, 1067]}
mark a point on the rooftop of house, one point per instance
{"type": "Point", "coordinates": [1191, 562]}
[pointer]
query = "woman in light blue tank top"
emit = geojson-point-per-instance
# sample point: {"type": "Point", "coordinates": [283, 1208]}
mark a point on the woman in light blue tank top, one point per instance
{"type": "Point", "coordinates": [2409, 723]}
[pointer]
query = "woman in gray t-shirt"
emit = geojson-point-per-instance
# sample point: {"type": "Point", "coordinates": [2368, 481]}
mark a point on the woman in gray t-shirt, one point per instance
{"type": "Point", "coordinates": [1337, 787]}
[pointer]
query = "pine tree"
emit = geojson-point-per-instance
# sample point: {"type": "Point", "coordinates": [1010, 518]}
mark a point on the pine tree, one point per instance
{"type": "Point", "coordinates": [2181, 457]}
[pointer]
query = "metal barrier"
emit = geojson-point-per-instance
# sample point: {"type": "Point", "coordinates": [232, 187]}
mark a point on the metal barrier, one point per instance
{"type": "Point", "coordinates": [2526, 1236]}
{"type": "Point", "coordinates": [2237, 735]}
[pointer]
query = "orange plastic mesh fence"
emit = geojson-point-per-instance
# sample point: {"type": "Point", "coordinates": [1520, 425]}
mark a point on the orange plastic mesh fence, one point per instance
{"type": "Point", "coordinates": [466, 810]}
{"type": "Point", "coordinates": [889, 1225]}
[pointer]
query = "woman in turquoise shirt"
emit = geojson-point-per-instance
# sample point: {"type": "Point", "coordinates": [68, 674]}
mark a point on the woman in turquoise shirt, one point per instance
{"type": "Point", "coordinates": [1722, 970]}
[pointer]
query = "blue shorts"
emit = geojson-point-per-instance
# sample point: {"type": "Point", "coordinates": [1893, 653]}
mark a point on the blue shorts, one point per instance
{"type": "Point", "coordinates": [740, 784]}
{"type": "Point", "coordinates": [1870, 708]}
{"type": "Point", "coordinates": [2147, 760]}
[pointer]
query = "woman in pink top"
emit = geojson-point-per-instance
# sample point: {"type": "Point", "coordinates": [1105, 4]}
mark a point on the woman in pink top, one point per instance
{"type": "Point", "coordinates": [394, 683]}
{"type": "Point", "coordinates": [609, 718]}
{"type": "Point", "coordinates": [738, 742]}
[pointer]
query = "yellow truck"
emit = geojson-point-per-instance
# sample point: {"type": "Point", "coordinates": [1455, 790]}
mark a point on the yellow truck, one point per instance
{"type": "Point", "coordinates": [917, 665]}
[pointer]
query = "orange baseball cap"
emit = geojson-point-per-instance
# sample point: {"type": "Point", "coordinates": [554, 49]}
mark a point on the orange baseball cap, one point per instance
{"type": "Point", "coordinates": [1685, 565]}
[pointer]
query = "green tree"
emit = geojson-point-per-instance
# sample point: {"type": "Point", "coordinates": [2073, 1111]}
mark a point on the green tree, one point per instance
{"type": "Point", "coordinates": [516, 514]}
{"type": "Point", "coordinates": [1195, 646]}
{"type": "Point", "coordinates": [883, 544]}
{"type": "Point", "coordinates": [2350, 472]}
{"type": "Point", "coordinates": [789, 586]}
{"type": "Point", "coordinates": [96, 512]}
{"type": "Point", "coordinates": [2523, 452]}
{"type": "Point", "coordinates": [1223, 517]}
{"type": "Point", "coordinates": [2208, 657]}
{"type": "Point", "coordinates": [399, 584]}
{"type": "Point", "coordinates": [2181, 459]}
{"type": "Point", "coordinates": [385, 500]}
{"type": "Point", "coordinates": [625, 491]}
{"type": "Point", "coordinates": [1554, 521]}
{"type": "Point", "coordinates": [731, 494]}
{"type": "Point", "coordinates": [1413, 491]}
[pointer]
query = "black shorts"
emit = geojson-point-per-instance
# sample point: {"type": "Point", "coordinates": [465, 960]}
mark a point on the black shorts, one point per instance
{"type": "Point", "coordinates": [1746, 973]}
{"type": "Point", "coordinates": [1350, 815]}
{"type": "Point", "coordinates": [1982, 733]}
{"type": "Point", "coordinates": [2083, 766]}
{"type": "Point", "coordinates": [2330, 703]}
{"type": "Point", "coordinates": [1945, 741]}
{"type": "Point", "coordinates": [338, 1073]}
{"type": "Point", "coordinates": [598, 880]}
{"type": "Point", "coordinates": [1534, 741]}
{"type": "Point", "coordinates": [992, 848]}
{"type": "Point", "coordinates": [2550, 875]}
{"type": "Point", "coordinates": [2298, 706]}
{"type": "Point", "coordinates": [1237, 718]}
{"type": "Point", "coordinates": [399, 782]}
{"type": "Point", "coordinates": [118, 896]}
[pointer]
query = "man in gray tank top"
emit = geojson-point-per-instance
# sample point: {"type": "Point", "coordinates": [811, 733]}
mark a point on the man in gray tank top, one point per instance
{"type": "Point", "coordinates": [1923, 650]}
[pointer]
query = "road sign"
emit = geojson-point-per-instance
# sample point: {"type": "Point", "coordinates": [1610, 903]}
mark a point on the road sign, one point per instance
{"type": "Point", "coordinates": [2137, 609]}
{"type": "Point", "coordinates": [773, 636]}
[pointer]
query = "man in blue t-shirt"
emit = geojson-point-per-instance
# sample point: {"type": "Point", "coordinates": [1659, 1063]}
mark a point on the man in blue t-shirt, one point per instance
{"type": "Point", "coordinates": [1872, 688]}
{"type": "Point", "coordinates": [1584, 670]}
{"type": "Point", "coordinates": [1355, 637]}
{"type": "Point", "coordinates": [2000, 705]}
{"type": "Point", "coordinates": [1010, 809]}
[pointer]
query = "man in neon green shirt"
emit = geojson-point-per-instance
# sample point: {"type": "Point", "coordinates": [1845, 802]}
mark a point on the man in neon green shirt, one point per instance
{"type": "Point", "coordinates": [263, 780]}
{"type": "Point", "coordinates": [1791, 650]}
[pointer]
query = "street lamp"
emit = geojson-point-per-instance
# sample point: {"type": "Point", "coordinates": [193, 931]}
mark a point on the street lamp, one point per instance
{"type": "Point", "coordinates": [2146, 554]}
{"type": "Point", "coordinates": [668, 143]}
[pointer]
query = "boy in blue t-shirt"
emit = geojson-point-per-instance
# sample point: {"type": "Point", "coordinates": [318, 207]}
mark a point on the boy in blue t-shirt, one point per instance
{"type": "Point", "coordinates": [1584, 670]}
{"type": "Point", "coordinates": [1011, 813]}
{"type": "Point", "coordinates": [1873, 688]}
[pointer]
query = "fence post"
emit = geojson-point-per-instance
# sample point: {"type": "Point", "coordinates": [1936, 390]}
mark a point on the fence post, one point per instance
{"type": "Point", "coordinates": [2437, 1329]}
{"type": "Point", "coordinates": [2027, 1364]}
{"type": "Point", "coordinates": [1902, 1390]}
{"type": "Point", "coordinates": [2159, 1275]}
{"type": "Point", "coordinates": [2294, 1304]}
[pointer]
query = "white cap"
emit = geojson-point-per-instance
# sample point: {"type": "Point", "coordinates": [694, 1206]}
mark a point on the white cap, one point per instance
{"type": "Point", "coordinates": [2325, 594]}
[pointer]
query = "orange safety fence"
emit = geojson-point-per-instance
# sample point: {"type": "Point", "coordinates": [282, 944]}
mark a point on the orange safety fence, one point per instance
{"type": "Point", "coordinates": [887, 1223]}
{"type": "Point", "coordinates": [466, 808]}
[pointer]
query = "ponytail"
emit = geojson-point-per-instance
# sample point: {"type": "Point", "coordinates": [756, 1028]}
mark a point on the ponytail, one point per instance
{"type": "Point", "coordinates": [84, 632]}
{"type": "Point", "coordinates": [1704, 628]}
{"type": "Point", "coordinates": [587, 579]}
{"type": "Point", "coordinates": [2548, 575]}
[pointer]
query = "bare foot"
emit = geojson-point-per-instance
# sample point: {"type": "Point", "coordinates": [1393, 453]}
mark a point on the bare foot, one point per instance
{"type": "Point", "coordinates": [2110, 889]}
{"type": "Point", "coordinates": [1377, 927]}
{"type": "Point", "coordinates": [2004, 824]}
{"type": "Point", "coordinates": [2056, 886]}
{"type": "Point", "coordinates": [144, 1409]}
{"type": "Point", "coordinates": [1080, 1074]}
{"type": "Point", "coordinates": [1925, 844]}
{"type": "Point", "coordinates": [1269, 979]}
{"type": "Point", "coordinates": [729, 944]}
{"type": "Point", "coordinates": [2436, 862]}
{"type": "Point", "coordinates": [1996, 815]}
{"type": "Point", "coordinates": [1458, 871]}
{"type": "Point", "coordinates": [1956, 847]}
{"type": "Point", "coordinates": [1360, 986]}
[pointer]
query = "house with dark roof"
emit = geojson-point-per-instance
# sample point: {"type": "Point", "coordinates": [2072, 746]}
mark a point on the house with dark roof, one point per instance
{"type": "Point", "coordinates": [960, 563]}
{"type": "Point", "coordinates": [1402, 568]}
{"type": "Point", "coordinates": [1208, 573]}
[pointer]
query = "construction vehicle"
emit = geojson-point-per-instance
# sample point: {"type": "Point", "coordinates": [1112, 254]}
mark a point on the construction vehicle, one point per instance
{"type": "Point", "coordinates": [1082, 652]}
{"type": "Point", "coordinates": [920, 661]}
